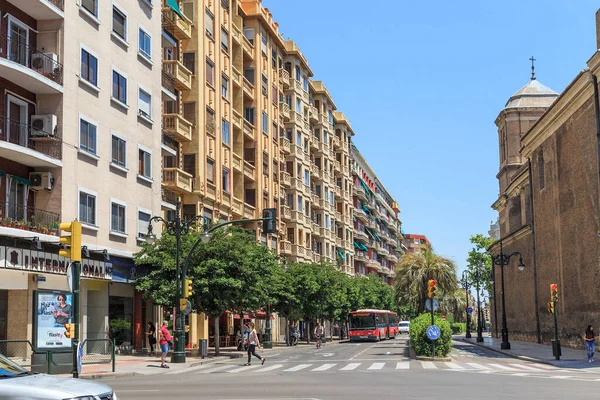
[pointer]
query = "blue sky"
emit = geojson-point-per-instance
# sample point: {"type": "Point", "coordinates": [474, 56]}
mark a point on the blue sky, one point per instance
{"type": "Point", "coordinates": [422, 83]}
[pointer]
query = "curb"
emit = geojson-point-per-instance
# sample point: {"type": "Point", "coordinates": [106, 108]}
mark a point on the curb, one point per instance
{"type": "Point", "coordinates": [110, 375]}
{"type": "Point", "coordinates": [524, 358]}
{"type": "Point", "coordinates": [441, 359]}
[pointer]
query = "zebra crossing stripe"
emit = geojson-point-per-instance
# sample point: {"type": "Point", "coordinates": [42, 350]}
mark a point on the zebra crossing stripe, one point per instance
{"type": "Point", "coordinates": [297, 368]}
{"type": "Point", "coordinates": [350, 367]}
{"type": "Point", "coordinates": [525, 367]}
{"type": "Point", "coordinates": [211, 370]}
{"type": "Point", "coordinates": [324, 367]}
{"type": "Point", "coordinates": [269, 368]}
{"type": "Point", "coordinates": [403, 365]}
{"type": "Point", "coordinates": [477, 366]}
{"type": "Point", "coordinates": [244, 368]}
{"type": "Point", "coordinates": [428, 365]}
{"type": "Point", "coordinates": [376, 366]}
{"type": "Point", "coordinates": [187, 370]}
{"type": "Point", "coordinates": [453, 365]}
{"type": "Point", "coordinates": [504, 367]}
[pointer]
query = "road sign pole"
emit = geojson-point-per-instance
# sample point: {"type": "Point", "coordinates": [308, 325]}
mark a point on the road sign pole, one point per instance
{"type": "Point", "coordinates": [557, 353]}
{"type": "Point", "coordinates": [76, 266]}
{"type": "Point", "coordinates": [432, 324]}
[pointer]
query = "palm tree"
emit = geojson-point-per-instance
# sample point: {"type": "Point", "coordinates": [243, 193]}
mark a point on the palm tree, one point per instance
{"type": "Point", "coordinates": [415, 269]}
{"type": "Point", "coordinates": [453, 303]}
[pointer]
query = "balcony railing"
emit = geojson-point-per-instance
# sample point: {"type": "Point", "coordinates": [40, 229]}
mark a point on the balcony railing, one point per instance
{"type": "Point", "coordinates": [19, 133]}
{"type": "Point", "coordinates": [169, 196]}
{"type": "Point", "coordinates": [20, 216]}
{"type": "Point", "coordinates": [168, 81]}
{"type": "Point", "coordinates": [20, 52]}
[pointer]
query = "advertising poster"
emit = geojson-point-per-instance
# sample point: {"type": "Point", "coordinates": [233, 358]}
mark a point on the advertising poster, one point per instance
{"type": "Point", "coordinates": [53, 310]}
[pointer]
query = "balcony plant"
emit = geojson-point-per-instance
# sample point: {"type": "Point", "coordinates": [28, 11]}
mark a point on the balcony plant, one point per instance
{"type": "Point", "coordinates": [54, 228]}
{"type": "Point", "coordinates": [22, 224]}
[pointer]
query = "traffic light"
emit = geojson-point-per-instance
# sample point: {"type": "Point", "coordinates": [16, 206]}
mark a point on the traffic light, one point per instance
{"type": "Point", "coordinates": [69, 330]}
{"type": "Point", "coordinates": [182, 304]}
{"type": "Point", "coordinates": [71, 245]}
{"type": "Point", "coordinates": [270, 221]}
{"type": "Point", "coordinates": [553, 292]}
{"type": "Point", "coordinates": [551, 307]}
{"type": "Point", "coordinates": [431, 289]}
{"type": "Point", "coordinates": [187, 289]}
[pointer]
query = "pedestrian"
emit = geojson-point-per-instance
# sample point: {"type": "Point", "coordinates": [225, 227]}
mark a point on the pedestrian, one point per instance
{"type": "Point", "coordinates": [253, 343]}
{"type": "Point", "coordinates": [164, 339]}
{"type": "Point", "coordinates": [151, 338]}
{"type": "Point", "coordinates": [589, 343]}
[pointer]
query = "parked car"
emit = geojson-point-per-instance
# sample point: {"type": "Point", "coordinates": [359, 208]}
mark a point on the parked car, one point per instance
{"type": "Point", "coordinates": [404, 327]}
{"type": "Point", "coordinates": [19, 383]}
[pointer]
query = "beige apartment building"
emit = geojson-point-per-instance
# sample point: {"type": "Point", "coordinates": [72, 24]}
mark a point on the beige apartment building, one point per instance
{"type": "Point", "coordinates": [80, 139]}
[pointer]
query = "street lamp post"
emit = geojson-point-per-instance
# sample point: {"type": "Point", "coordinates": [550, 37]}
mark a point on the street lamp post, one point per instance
{"type": "Point", "coordinates": [479, 328]}
{"type": "Point", "coordinates": [502, 260]}
{"type": "Point", "coordinates": [465, 277]}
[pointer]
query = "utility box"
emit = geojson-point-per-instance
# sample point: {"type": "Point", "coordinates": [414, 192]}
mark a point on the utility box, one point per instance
{"type": "Point", "coordinates": [556, 348]}
{"type": "Point", "coordinates": [203, 347]}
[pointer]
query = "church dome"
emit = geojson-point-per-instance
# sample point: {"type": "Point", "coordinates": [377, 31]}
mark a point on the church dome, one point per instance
{"type": "Point", "coordinates": [533, 94]}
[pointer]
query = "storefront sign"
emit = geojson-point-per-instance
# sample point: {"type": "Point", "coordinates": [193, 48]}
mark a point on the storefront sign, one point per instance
{"type": "Point", "coordinates": [52, 311]}
{"type": "Point", "coordinates": [124, 270]}
{"type": "Point", "coordinates": [50, 263]}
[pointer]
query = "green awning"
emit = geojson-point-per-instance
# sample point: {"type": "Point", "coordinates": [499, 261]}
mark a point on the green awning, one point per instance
{"type": "Point", "coordinates": [377, 236]}
{"type": "Point", "coordinates": [366, 209]}
{"type": "Point", "coordinates": [21, 180]}
{"type": "Point", "coordinates": [356, 245]}
{"type": "Point", "coordinates": [2, 173]}
{"type": "Point", "coordinates": [360, 246]}
{"type": "Point", "coordinates": [173, 5]}
{"type": "Point", "coordinates": [370, 233]}
{"type": "Point", "coordinates": [341, 255]}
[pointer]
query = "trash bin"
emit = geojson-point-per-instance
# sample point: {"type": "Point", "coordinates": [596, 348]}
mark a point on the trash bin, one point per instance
{"type": "Point", "coordinates": [203, 347]}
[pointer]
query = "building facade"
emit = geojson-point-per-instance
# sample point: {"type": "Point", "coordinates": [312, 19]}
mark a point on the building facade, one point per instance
{"type": "Point", "coordinates": [414, 242]}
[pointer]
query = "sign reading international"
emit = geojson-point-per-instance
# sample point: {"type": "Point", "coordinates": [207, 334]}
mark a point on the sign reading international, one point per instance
{"type": "Point", "coordinates": [52, 310]}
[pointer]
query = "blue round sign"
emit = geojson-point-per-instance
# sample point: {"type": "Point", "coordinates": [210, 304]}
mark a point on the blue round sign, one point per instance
{"type": "Point", "coordinates": [433, 332]}
{"type": "Point", "coordinates": [470, 310]}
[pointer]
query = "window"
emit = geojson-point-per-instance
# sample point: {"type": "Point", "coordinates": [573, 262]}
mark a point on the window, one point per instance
{"type": "Point", "coordinates": [118, 151]}
{"type": "Point", "coordinates": [87, 136]}
{"type": "Point", "coordinates": [327, 222]}
{"type": "Point", "coordinates": [209, 21]}
{"type": "Point", "coordinates": [119, 91]}
{"type": "Point", "coordinates": [117, 217]}
{"type": "Point", "coordinates": [145, 164]}
{"type": "Point", "coordinates": [264, 41]}
{"type": "Point", "coordinates": [306, 177]}
{"type": "Point", "coordinates": [298, 73]}
{"type": "Point", "coordinates": [224, 40]}
{"type": "Point", "coordinates": [90, 6]}
{"type": "Point", "coordinates": [145, 104]}
{"type": "Point", "coordinates": [300, 202]}
{"type": "Point", "coordinates": [189, 164]}
{"type": "Point", "coordinates": [145, 44]}
{"type": "Point", "coordinates": [298, 106]}
{"type": "Point", "coordinates": [120, 23]}
{"type": "Point", "coordinates": [331, 197]}
{"type": "Point", "coordinates": [188, 10]}
{"type": "Point", "coordinates": [225, 180]}
{"type": "Point", "coordinates": [330, 117]}
{"type": "Point", "coordinates": [89, 67]}
{"type": "Point", "coordinates": [265, 122]}
{"type": "Point", "coordinates": [225, 132]}
{"type": "Point", "coordinates": [224, 87]}
{"type": "Point", "coordinates": [87, 208]}
{"type": "Point", "coordinates": [299, 138]}
{"type": "Point", "coordinates": [210, 73]}
{"type": "Point", "coordinates": [189, 112]}
{"type": "Point", "coordinates": [274, 58]}
{"type": "Point", "coordinates": [305, 83]}
{"type": "Point", "coordinates": [210, 170]}
{"type": "Point", "coordinates": [143, 222]}
{"type": "Point", "coordinates": [189, 61]}
{"type": "Point", "coordinates": [265, 85]}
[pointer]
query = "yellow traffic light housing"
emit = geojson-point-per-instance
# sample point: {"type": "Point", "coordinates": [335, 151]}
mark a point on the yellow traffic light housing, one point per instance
{"type": "Point", "coordinates": [187, 290]}
{"type": "Point", "coordinates": [71, 244]}
{"type": "Point", "coordinates": [553, 292]}
{"type": "Point", "coordinates": [69, 330]}
{"type": "Point", "coordinates": [431, 289]}
{"type": "Point", "coordinates": [551, 307]}
{"type": "Point", "coordinates": [182, 304]}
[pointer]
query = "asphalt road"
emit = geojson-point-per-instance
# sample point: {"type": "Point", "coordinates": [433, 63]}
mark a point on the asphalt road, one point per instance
{"type": "Point", "coordinates": [360, 371]}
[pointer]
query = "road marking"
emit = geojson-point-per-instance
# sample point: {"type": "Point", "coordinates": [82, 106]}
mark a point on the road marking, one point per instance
{"type": "Point", "coordinates": [452, 365]}
{"type": "Point", "coordinates": [504, 367]}
{"type": "Point", "coordinates": [368, 348]}
{"type": "Point", "coordinates": [324, 367]}
{"type": "Point", "coordinates": [191, 369]}
{"type": "Point", "coordinates": [428, 365]}
{"type": "Point", "coordinates": [138, 390]}
{"type": "Point", "coordinates": [297, 368]}
{"type": "Point", "coordinates": [376, 366]}
{"type": "Point", "coordinates": [388, 353]}
{"type": "Point", "coordinates": [403, 365]}
{"type": "Point", "coordinates": [327, 354]}
{"type": "Point", "coordinates": [521, 374]}
{"type": "Point", "coordinates": [269, 368]}
{"type": "Point", "coordinates": [525, 367]}
{"type": "Point", "coordinates": [244, 368]}
{"type": "Point", "coordinates": [548, 367]}
{"type": "Point", "coordinates": [477, 366]}
{"type": "Point", "coordinates": [350, 367]}
{"type": "Point", "coordinates": [560, 377]}
{"type": "Point", "coordinates": [211, 370]}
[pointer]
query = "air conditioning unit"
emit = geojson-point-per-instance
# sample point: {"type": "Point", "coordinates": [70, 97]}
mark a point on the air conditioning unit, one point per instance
{"type": "Point", "coordinates": [45, 63]}
{"type": "Point", "coordinates": [43, 125]}
{"type": "Point", "coordinates": [41, 180]}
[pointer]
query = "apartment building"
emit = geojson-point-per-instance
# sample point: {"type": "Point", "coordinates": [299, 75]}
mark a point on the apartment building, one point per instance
{"type": "Point", "coordinates": [377, 228]}
{"type": "Point", "coordinates": [79, 139]}
{"type": "Point", "coordinates": [414, 242]}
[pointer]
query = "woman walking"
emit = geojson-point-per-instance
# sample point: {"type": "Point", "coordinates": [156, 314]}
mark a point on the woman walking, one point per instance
{"type": "Point", "coordinates": [253, 343]}
{"type": "Point", "coordinates": [589, 343]}
{"type": "Point", "coordinates": [151, 337]}
{"type": "Point", "coordinates": [164, 339]}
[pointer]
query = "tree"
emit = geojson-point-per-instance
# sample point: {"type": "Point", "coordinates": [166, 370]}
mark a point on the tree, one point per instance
{"type": "Point", "coordinates": [453, 303]}
{"type": "Point", "coordinates": [479, 256]}
{"type": "Point", "coordinates": [415, 269]}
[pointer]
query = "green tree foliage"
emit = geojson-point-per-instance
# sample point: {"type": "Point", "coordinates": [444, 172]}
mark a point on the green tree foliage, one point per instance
{"type": "Point", "coordinates": [415, 269]}
{"type": "Point", "coordinates": [478, 256]}
{"type": "Point", "coordinates": [421, 343]}
{"type": "Point", "coordinates": [453, 304]}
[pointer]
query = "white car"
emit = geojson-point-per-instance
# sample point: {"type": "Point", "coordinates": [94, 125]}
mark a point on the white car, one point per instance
{"type": "Point", "coordinates": [404, 327]}
{"type": "Point", "coordinates": [18, 383]}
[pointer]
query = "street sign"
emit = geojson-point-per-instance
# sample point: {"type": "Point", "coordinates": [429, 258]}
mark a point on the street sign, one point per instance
{"type": "Point", "coordinates": [436, 304]}
{"type": "Point", "coordinates": [79, 355]}
{"type": "Point", "coordinates": [433, 332]}
{"type": "Point", "coordinates": [470, 310]}
{"type": "Point", "coordinates": [188, 307]}
{"type": "Point", "coordinates": [70, 277]}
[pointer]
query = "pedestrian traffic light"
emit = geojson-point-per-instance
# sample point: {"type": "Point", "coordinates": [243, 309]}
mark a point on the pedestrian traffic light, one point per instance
{"type": "Point", "coordinates": [431, 289]}
{"type": "Point", "coordinates": [551, 307]}
{"type": "Point", "coordinates": [70, 244]}
{"type": "Point", "coordinates": [187, 289]}
{"type": "Point", "coordinates": [553, 292]}
{"type": "Point", "coordinates": [69, 330]}
{"type": "Point", "coordinates": [182, 304]}
{"type": "Point", "coordinates": [269, 220]}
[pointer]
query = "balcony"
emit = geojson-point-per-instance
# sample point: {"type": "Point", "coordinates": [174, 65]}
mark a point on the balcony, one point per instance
{"type": "Point", "coordinates": [236, 33]}
{"type": "Point", "coordinates": [284, 145]}
{"type": "Point", "coordinates": [338, 216]}
{"type": "Point", "coordinates": [236, 206]}
{"type": "Point", "coordinates": [237, 76]}
{"type": "Point", "coordinates": [336, 142]}
{"type": "Point", "coordinates": [297, 184]}
{"type": "Point", "coordinates": [298, 217]}
{"type": "Point", "coordinates": [249, 171]}
{"type": "Point", "coordinates": [361, 256]}
{"type": "Point", "coordinates": [178, 127]}
{"type": "Point", "coordinates": [284, 78]}
{"type": "Point", "coordinates": [324, 176]}
{"type": "Point", "coordinates": [18, 144]}
{"type": "Point", "coordinates": [284, 110]}
{"type": "Point", "coordinates": [360, 214]}
{"type": "Point", "coordinates": [315, 229]}
{"type": "Point", "coordinates": [361, 235]}
{"type": "Point", "coordinates": [182, 75]}
{"type": "Point", "coordinates": [323, 148]}
{"type": "Point", "coordinates": [168, 83]}
{"type": "Point", "coordinates": [285, 179]}
{"type": "Point", "coordinates": [298, 251]}
{"type": "Point", "coordinates": [19, 216]}
{"type": "Point", "coordinates": [285, 248]}
{"type": "Point", "coordinates": [41, 10]}
{"type": "Point", "coordinates": [338, 192]}
{"type": "Point", "coordinates": [286, 213]}
{"type": "Point", "coordinates": [392, 257]}
{"type": "Point", "coordinates": [337, 166]}
{"type": "Point", "coordinates": [249, 130]}
{"type": "Point", "coordinates": [326, 233]}
{"type": "Point", "coordinates": [168, 197]}
{"type": "Point", "coordinates": [175, 25]}
{"type": "Point", "coordinates": [247, 47]}
{"type": "Point", "coordinates": [324, 204]}
{"type": "Point", "coordinates": [177, 180]}
{"type": "Point", "coordinates": [249, 211]}
{"type": "Point", "coordinates": [313, 114]}
{"type": "Point", "coordinates": [360, 192]}
{"type": "Point", "coordinates": [237, 162]}
{"type": "Point", "coordinates": [248, 88]}
{"type": "Point", "coordinates": [34, 70]}
{"type": "Point", "coordinates": [315, 170]}
{"type": "Point", "coordinates": [315, 199]}
{"type": "Point", "coordinates": [338, 242]}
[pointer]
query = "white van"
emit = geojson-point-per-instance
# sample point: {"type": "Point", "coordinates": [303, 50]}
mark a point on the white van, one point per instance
{"type": "Point", "coordinates": [404, 327]}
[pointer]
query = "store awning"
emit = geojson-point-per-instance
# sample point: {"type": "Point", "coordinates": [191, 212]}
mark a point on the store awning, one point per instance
{"type": "Point", "coordinates": [341, 255]}
{"type": "Point", "coordinates": [173, 5]}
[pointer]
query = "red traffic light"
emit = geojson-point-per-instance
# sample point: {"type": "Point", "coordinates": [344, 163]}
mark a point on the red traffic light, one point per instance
{"type": "Point", "coordinates": [432, 283]}
{"type": "Point", "coordinates": [554, 286]}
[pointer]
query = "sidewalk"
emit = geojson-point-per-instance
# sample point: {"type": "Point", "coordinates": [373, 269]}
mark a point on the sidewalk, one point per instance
{"type": "Point", "coordinates": [541, 353]}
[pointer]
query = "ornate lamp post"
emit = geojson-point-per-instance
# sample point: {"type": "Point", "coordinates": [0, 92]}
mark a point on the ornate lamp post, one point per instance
{"type": "Point", "coordinates": [503, 260]}
{"type": "Point", "coordinates": [479, 327]}
{"type": "Point", "coordinates": [465, 279]}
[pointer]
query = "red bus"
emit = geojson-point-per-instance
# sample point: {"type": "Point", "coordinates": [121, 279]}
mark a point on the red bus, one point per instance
{"type": "Point", "coordinates": [373, 325]}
